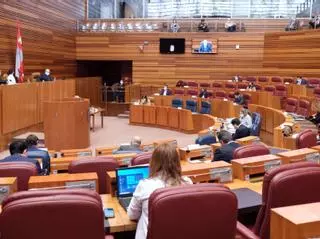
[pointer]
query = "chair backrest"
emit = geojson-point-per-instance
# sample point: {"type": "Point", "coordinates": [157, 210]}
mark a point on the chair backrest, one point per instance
{"type": "Point", "coordinates": [291, 105]}
{"type": "Point", "coordinates": [192, 84]}
{"type": "Point", "coordinates": [247, 98]}
{"type": "Point", "coordinates": [231, 95]}
{"type": "Point", "coordinates": [52, 213]}
{"type": "Point", "coordinates": [220, 94]}
{"type": "Point", "coordinates": [242, 85]}
{"type": "Point", "coordinates": [177, 103]}
{"type": "Point", "coordinates": [230, 85]}
{"type": "Point", "coordinates": [209, 94]}
{"type": "Point", "coordinates": [270, 88]}
{"type": "Point", "coordinates": [250, 150]}
{"type": "Point", "coordinates": [304, 107]}
{"type": "Point", "coordinates": [256, 124]}
{"type": "Point", "coordinates": [314, 82]}
{"type": "Point", "coordinates": [205, 107]}
{"type": "Point", "coordinates": [22, 170]}
{"type": "Point", "coordinates": [288, 79]}
{"type": "Point", "coordinates": [143, 158]}
{"type": "Point", "coordinates": [285, 186]}
{"type": "Point", "coordinates": [276, 79]}
{"type": "Point", "coordinates": [170, 209]}
{"type": "Point", "coordinates": [100, 165]}
{"type": "Point", "coordinates": [216, 85]}
{"type": "Point", "coordinates": [263, 79]}
{"type": "Point", "coordinates": [192, 92]}
{"type": "Point", "coordinates": [281, 90]}
{"type": "Point", "coordinates": [306, 139]}
{"type": "Point", "coordinates": [191, 105]}
{"type": "Point", "coordinates": [204, 85]}
{"type": "Point", "coordinates": [316, 92]}
{"type": "Point", "coordinates": [251, 79]}
{"type": "Point", "coordinates": [258, 87]}
{"type": "Point", "coordinates": [179, 91]}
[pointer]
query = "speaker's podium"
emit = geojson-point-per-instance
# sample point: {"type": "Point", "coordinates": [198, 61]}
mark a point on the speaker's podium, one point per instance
{"type": "Point", "coordinates": [66, 124]}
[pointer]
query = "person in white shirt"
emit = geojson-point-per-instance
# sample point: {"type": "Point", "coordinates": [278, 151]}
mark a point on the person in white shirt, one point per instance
{"type": "Point", "coordinates": [11, 80]}
{"type": "Point", "coordinates": [165, 171]}
{"type": "Point", "coordinates": [245, 118]}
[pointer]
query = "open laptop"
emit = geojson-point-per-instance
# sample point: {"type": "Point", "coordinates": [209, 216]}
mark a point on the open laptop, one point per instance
{"type": "Point", "coordinates": [127, 181]}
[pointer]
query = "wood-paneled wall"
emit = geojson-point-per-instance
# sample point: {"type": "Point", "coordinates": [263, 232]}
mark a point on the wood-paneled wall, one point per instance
{"type": "Point", "coordinates": [292, 53]}
{"type": "Point", "coordinates": [151, 67]}
{"type": "Point", "coordinates": [90, 88]}
{"type": "Point", "coordinates": [47, 28]}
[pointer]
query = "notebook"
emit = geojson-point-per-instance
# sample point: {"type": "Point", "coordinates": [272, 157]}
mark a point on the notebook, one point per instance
{"type": "Point", "coordinates": [127, 181]}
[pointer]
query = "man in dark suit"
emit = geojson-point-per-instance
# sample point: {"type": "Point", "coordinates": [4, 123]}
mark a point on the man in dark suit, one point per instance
{"type": "Point", "coordinates": [204, 93]}
{"type": "Point", "coordinates": [241, 130]}
{"type": "Point", "coordinates": [34, 152]}
{"type": "Point", "coordinates": [46, 76]}
{"type": "Point", "coordinates": [165, 90]}
{"type": "Point", "coordinates": [225, 152]}
{"type": "Point", "coordinates": [17, 150]}
{"type": "Point", "coordinates": [301, 81]}
{"type": "Point", "coordinates": [238, 98]}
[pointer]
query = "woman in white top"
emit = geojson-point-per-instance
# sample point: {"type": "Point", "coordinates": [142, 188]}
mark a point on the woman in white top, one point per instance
{"type": "Point", "coordinates": [245, 118]}
{"type": "Point", "coordinates": [165, 171]}
{"type": "Point", "coordinates": [11, 80]}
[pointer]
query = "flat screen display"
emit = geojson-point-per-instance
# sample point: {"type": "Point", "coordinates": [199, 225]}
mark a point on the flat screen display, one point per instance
{"type": "Point", "coordinates": [172, 45]}
{"type": "Point", "coordinates": [204, 46]}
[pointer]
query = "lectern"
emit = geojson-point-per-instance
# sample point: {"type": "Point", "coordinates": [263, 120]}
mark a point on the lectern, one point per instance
{"type": "Point", "coordinates": [66, 124]}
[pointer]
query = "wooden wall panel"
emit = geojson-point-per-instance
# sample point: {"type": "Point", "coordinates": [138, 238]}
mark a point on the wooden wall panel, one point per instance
{"type": "Point", "coordinates": [151, 67]}
{"type": "Point", "coordinates": [292, 53]}
{"type": "Point", "coordinates": [90, 88]}
{"type": "Point", "coordinates": [47, 28]}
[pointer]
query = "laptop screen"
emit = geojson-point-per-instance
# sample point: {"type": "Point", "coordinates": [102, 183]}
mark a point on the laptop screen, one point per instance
{"type": "Point", "coordinates": [128, 179]}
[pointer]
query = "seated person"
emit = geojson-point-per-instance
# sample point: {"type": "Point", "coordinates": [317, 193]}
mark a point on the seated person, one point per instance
{"type": "Point", "coordinates": [203, 26]}
{"type": "Point", "coordinates": [165, 171]}
{"type": "Point", "coordinates": [181, 83]}
{"type": "Point", "coordinates": [207, 139]}
{"type": "Point", "coordinates": [236, 78]}
{"type": "Point", "coordinates": [144, 100]}
{"type": "Point", "coordinates": [293, 25]}
{"type": "Point", "coordinates": [204, 93]}
{"type": "Point", "coordinates": [251, 86]}
{"type": "Point", "coordinates": [118, 91]}
{"type": "Point", "coordinates": [225, 152]}
{"type": "Point", "coordinates": [241, 130]}
{"type": "Point", "coordinates": [230, 26]}
{"type": "Point", "coordinates": [17, 150]}
{"type": "Point", "coordinates": [46, 76]}
{"type": "Point", "coordinates": [314, 22]}
{"type": "Point", "coordinates": [238, 98]}
{"type": "Point", "coordinates": [34, 152]}
{"type": "Point", "coordinates": [174, 27]}
{"type": "Point", "coordinates": [165, 90]}
{"type": "Point", "coordinates": [134, 147]}
{"type": "Point", "coordinates": [245, 117]}
{"type": "Point", "coordinates": [300, 81]}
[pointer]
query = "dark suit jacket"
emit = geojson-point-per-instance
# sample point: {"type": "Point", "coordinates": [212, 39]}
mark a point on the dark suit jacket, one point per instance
{"type": "Point", "coordinates": [225, 152]}
{"type": "Point", "coordinates": [34, 152]}
{"type": "Point", "coordinates": [239, 100]}
{"type": "Point", "coordinates": [21, 158]}
{"type": "Point", "coordinates": [44, 77]}
{"type": "Point", "coordinates": [169, 92]}
{"type": "Point", "coordinates": [241, 132]}
{"type": "Point", "coordinates": [204, 94]}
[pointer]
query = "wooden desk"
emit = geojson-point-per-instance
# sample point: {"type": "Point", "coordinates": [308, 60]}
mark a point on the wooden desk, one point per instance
{"type": "Point", "coordinates": [76, 152]}
{"type": "Point", "coordinates": [252, 165]}
{"type": "Point", "coordinates": [8, 185]}
{"type": "Point", "coordinates": [237, 183]}
{"type": "Point", "coordinates": [61, 180]}
{"type": "Point", "coordinates": [203, 150]}
{"type": "Point", "coordinates": [295, 222]}
{"type": "Point", "coordinates": [92, 115]}
{"type": "Point", "coordinates": [136, 114]}
{"type": "Point", "coordinates": [296, 155]}
{"type": "Point", "coordinates": [247, 140]}
{"type": "Point", "coordinates": [149, 114]}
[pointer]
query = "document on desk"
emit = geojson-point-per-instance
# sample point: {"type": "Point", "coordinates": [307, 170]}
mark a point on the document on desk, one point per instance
{"type": "Point", "coordinates": [314, 157]}
{"type": "Point", "coordinates": [82, 184]}
{"type": "Point", "coordinates": [222, 174]}
{"type": "Point", "coordinates": [271, 164]}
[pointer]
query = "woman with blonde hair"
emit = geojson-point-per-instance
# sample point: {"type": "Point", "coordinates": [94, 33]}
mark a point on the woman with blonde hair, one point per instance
{"type": "Point", "coordinates": [165, 171]}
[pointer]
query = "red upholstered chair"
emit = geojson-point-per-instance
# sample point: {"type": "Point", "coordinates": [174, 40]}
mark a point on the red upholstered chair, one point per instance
{"type": "Point", "coordinates": [250, 150]}
{"type": "Point", "coordinates": [22, 170]}
{"type": "Point", "coordinates": [217, 85]}
{"type": "Point", "coordinates": [204, 85]}
{"type": "Point", "coordinates": [251, 79]}
{"type": "Point", "coordinates": [170, 211]}
{"type": "Point", "coordinates": [192, 92]}
{"type": "Point", "coordinates": [193, 84]}
{"type": "Point", "coordinates": [280, 90]}
{"type": "Point", "coordinates": [270, 88]}
{"type": "Point", "coordinates": [276, 79]}
{"type": "Point", "coordinates": [258, 87]}
{"type": "Point", "coordinates": [99, 165]}
{"type": "Point", "coordinates": [316, 93]}
{"type": "Point", "coordinates": [263, 79]}
{"type": "Point", "coordinates": [220, 94]}
{"type": "Point", "coordinates": [230, 85]}
{"type": "Point", "coordinates": [306, 139]}
{"type": "Point", "coordinates": [143, 158]}
{"type": "Point", "coordinates": [56, 214]}
{"type": "Point", "coordinates": [304, 107]}
{"type": "Point", "coordinates": [231, 96]}
{"type": "Point", "coordinates": [210, 94]}
{"type": "Point", "coordinates": [288, 80]}
{"type": "Point", "coordinates": [178, 91]}
{"type": "Point", "coordinates": [286, 185]}
{"type": "Point", "coordinates": [242, 85]}
{"type": "Point", "coordinates": [291, 105]}
{"type": "Point", "coordinates": [313, 82]}
{"type": "Point", "coordinates": [247, 98]}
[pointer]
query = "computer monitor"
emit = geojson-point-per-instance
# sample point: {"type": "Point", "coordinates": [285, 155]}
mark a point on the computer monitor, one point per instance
{"type": "Point", "coordinates": [128, 179]}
